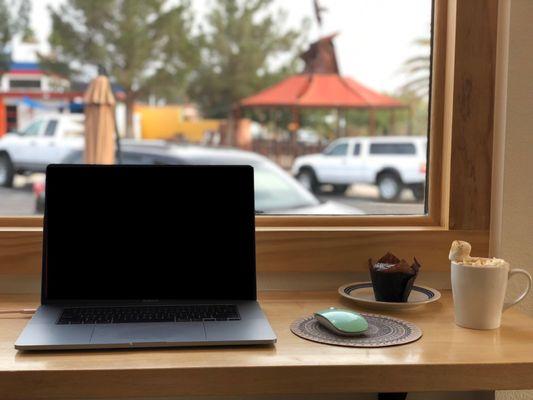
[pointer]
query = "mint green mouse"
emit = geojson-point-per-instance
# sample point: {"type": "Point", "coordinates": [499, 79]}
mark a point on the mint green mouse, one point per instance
{"type": "Point", "coordinates": [342, 322]}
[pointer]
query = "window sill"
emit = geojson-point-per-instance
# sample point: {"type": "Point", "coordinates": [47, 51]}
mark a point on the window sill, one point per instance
{"type": "Point", "coordinates": [310, 256]}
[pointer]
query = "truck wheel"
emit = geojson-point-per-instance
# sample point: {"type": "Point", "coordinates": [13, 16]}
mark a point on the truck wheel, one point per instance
{"type": "Point", "coordinates": [418, 191]}
{"type": "Point", "coordinates": [389, 186]}
{"type": "Point", "coordinates": [308, 180]}
{"type": "Point", "coordinates": [7, 172]}
{"type": "Point", "coordinates": [340, 189]}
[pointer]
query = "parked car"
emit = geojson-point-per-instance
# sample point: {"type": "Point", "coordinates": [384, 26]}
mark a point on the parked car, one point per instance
{"type": "Point", "coordinates": [391, 163]}
{"type": "Point", "coordinates": [47, 139]}
{"type": "Point", "coordinates": [276, 191]}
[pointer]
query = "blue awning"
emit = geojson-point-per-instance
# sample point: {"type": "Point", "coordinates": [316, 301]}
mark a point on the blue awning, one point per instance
{"type": "Point", "coordinates": [42, 106]}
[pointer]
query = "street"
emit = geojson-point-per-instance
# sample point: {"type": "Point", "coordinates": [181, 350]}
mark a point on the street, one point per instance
{"type": "Point", "coordinates": [366, 198]}
{"type": "Point", "coordinates": [20, 200]}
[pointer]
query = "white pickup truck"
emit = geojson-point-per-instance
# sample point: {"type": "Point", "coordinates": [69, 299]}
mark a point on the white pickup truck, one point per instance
{"type": "Point", "coordinates": [47, 139]}
{"type": "Point", "coordinates": [392, 163]}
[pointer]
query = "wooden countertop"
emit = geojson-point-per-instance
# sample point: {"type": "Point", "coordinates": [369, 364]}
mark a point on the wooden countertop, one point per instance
{"type": "Point", "coordinates": [446, 358]}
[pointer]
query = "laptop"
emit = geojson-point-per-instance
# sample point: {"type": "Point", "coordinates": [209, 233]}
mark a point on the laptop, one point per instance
{"type": "Point", "coordinates": [147, 256]}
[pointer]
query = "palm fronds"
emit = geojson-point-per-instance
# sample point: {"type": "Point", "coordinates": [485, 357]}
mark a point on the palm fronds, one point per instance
{"type": "Point", "coordinates": [418, 70]}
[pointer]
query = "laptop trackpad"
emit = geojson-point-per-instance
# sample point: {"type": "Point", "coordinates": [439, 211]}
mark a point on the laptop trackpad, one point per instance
{"type": "Point", "coordinates": [186, 332]}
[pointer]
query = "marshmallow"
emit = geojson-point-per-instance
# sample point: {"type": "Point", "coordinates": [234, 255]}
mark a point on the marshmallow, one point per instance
{"type": "Point", "coordinates": [460, 253]}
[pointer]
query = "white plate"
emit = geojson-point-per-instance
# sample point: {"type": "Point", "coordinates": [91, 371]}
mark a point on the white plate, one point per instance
{"type": "Point", "coordinates": [362, 294]}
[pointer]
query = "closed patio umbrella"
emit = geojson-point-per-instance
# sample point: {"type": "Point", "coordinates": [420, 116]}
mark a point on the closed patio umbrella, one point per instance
{"type": "Point", "coordinates": [99, 122]}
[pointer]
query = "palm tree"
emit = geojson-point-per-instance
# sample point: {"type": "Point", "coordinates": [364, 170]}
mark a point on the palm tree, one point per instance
{"type": "Point", "coordinates": [418, 68]}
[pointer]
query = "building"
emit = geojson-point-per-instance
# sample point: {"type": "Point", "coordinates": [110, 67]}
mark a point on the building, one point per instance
{"type": "Point", "coordinates": [27, 91]}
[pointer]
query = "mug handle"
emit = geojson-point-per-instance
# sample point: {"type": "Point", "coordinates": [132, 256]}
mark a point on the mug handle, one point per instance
{"type": "Point", "coordinates": [518, 271]}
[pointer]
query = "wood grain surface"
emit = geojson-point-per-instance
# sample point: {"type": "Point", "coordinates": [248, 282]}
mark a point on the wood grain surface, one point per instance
{"type": "Point", "coordinates": [447, 357]}
{"type": "Point", "coordinates": [473, 114]}
{"type": "Point", "coordinates": [301, 250]}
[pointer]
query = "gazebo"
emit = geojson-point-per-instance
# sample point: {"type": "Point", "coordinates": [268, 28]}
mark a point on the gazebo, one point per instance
{"type": "Point", "coordinates": [320, 86]}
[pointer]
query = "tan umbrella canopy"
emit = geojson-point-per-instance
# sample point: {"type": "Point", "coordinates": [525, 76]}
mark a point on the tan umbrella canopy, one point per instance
{"type": "Point", "coordinates": [99, 122]}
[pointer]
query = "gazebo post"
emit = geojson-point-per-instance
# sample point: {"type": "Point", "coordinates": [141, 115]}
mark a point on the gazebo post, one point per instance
{"type": "Point", "coordinates": [342, 121]}
{"type": "Point", "coordinates": [236, 115]}
{"type": "Point", "coordinates": [293, 129]}
{"type": "Point", "coordinates": [409, 120]}
{"type": "Point", "coordinates": [392, 121]}
{"type": "Point", "coordinates": [270, 118]}
{"type": "Point", "coordinates": [371, 121]}
{"type": "Point", "coordinates": [275, 114]}
{"type": "Point", "coordinates": [339, 125]}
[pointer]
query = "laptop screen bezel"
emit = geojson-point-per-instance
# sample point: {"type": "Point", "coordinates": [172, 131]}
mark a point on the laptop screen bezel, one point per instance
{"type": "Point", "coordinates": [53, 169]}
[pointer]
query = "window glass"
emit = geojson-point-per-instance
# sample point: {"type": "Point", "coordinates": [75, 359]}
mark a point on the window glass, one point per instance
{"type": "Point", "coordinates": [73, 129]}
{"type": "Point", "coordinates": [126, 157]}
{"type": "Point", "coordinates": [320, 96]}
{"type": "Point", "coordinates": [337, 150]}
{"type": "Point", "coordinates": [24, 84]}
{"type": "Point", "coordinates": [275, 191]}
{"type": "Point", "coordinates": [51, 128]}
{"type": "Point", "coordinates": [392, 148]}
{"type": "Point", "coordinates": [33, 129]}
{"type": "Point", "coordinates": [133, 158]}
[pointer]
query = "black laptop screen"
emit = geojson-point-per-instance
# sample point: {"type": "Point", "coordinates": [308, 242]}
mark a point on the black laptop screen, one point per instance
{"type": "Point", "coordinates": [149, 233]}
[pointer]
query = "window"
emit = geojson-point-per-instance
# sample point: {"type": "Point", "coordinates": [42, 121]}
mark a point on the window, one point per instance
{"type": "Point", "coordinates": [73, 127]}
{"type": "Point", "coordinates": [51, 128]}
{"type": "Point", "coordinates": [339, 244]}
{"type": "Point", "coordinates": [275, 191]}
{"type": "Point", "coordinates": [127, 157]}
{"type": "Point", "coordinates": [132, 158]}
{"type": "Point", "coordinates": [299, 92]}
{"type": "Point", "coordinates": [24, 84]}
{"type": "Point", "coordinates": [33, 129]}
{"type": "Point", "coordinates": [392, 148]}
{"type": "Point", "coordinates": [340, 149]}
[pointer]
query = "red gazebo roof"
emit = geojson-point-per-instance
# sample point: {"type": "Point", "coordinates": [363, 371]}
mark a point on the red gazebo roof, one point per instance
{"type": "Point", "coordinates": [320, 91]}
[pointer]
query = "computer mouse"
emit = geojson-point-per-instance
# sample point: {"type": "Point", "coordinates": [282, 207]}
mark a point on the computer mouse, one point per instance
{"type": "Point", "coordinates": [342, 322]}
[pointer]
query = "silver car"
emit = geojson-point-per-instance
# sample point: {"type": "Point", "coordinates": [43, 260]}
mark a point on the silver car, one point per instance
{"type": "Point", "coordinates": [276, 191]}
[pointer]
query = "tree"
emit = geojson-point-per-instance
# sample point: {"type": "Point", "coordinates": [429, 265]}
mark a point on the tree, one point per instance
{"type": "Point", "coordinates": [14, 19]}
{"type": "Point", "coordinates": [418, 68]}
{"type": "Point", "coordinates": [144, 45]}
{"type": "Point", "coordinates": [6, 26]}
{"type": "Point", "coordinates": [23, 23]}
{"type": "Point", "coordinates": [245, 48]}
{"type": "Point", "coordinates": [415, 92]}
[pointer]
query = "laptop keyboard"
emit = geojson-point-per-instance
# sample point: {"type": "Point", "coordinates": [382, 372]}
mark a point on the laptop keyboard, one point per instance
{"type": "Point", "coordinates": [120, 315]}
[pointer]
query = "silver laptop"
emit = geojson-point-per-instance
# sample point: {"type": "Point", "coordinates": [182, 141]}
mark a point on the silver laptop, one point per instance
{"type": "Point", "coordinates": [147, 256]}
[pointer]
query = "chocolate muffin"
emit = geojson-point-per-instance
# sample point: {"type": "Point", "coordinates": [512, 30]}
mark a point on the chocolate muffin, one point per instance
{"type": "Point", "coordinates": [392, 278]}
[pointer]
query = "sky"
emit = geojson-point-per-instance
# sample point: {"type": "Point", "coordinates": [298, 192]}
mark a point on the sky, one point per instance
{"type": "Point", "coordinates": [375, 36]}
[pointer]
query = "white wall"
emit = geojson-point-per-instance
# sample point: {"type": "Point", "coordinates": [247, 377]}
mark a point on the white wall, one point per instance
{"type": "Point", "coordinates": [512, 210]}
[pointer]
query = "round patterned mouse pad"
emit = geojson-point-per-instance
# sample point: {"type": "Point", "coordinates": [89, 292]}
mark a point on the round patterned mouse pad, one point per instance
{"type": "Point", "coordinates": [382, 331]}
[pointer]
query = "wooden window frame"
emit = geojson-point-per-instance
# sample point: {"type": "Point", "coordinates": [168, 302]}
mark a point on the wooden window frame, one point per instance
{"type": "Point", "coordinates": [459, 174]}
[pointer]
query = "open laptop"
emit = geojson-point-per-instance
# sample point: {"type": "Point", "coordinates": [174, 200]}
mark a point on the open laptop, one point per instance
{"type": "Point", "coordinates": [147, 256]}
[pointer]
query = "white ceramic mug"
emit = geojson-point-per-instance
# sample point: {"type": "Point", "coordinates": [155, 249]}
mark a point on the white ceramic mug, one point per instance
{"type": "Point", "coordinates": [479, 293]}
